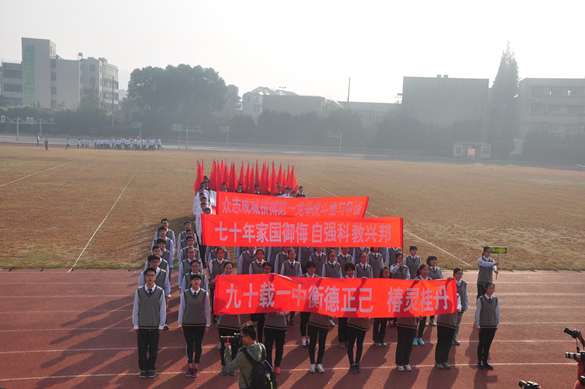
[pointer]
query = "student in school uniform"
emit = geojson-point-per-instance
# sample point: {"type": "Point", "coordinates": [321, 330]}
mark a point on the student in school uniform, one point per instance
{"type": "Point", "coordinates": [376, 261]}
{"type": "Point", "coordinates": [406, 328]}
{"type": "Point", "coordinates": [356, 333]}
{"type": "Point", "coordinates": [301, 192]}
{"type": "Point", "coordinates": [148, 318]}
{"type": "Point", "coordinates": [246, 259]}
{"type": "Point", "coordinates": [391, 255]}
{"type": "Point", "coordinates": [362, 269]}
{"type": "Point", "coordinates": [487, 321]}
{"type": "Point", "coordinates": [185, 264]}
{"type": "Point", "coordinates": [342, 321]}
{"type": "Point", "coordinates": [331, 269]}
{"type": "Point", "coordinates": [304, 257]}
{"type": "Point", "coordinates": [267, 268]}
{"type": "Point", "coordinates": [412, 261]}
{"type": "Point", "coordinates": [224, 187]}
{"type": "Point", "coordinates": [435, 273]}
{"type": "Point", "coordinates": [343, 259]}
{"type": "Point", "coordinates": [240, 188]}
{"type": "Point", "coordinates": [291, 268]}
{"type": "Point", "coordinates": [169, 233]}
{"type": "Point", "coordinates": [163, 264]}
{"type": "Point", "coordinates": [462, 292]}
{"type": "Point", "coordinates": [165, 254]}
{"type": "Point", "coordinates": [380, 323]}
{"type": "Point", "coordinates": [228, 325]}
{"type": "Point", "coordinates": [281, 258]}
{"type": "Point", "coordinates": [275, 327]}
{"type": "Point", "coordinates": [257, 267]}
{"type": "Point", "coordinates": [216, 267]}
{"type": "Point", "coordinates": [195, 269]}
{"type": "Point", "coordinates": [194, 318]}
{"type": "Point", "coordinates": [189, 243]}
{"type": "Point", "coordinates": [305, 315]}
{"type": "Point", "coordinates": [272, 253]}
{"type": "Point", "coordinates": [257, 189]}
{"type": "Point", "coordinates": [169, 245]}
{"type": "Point", "coordinates": [487, 268]}
{"type": "Point", "coordinates": [357, 252]}
{"type": "Point", "coordinates": [161, 280]}
{"type": "Point", "coordinates": [398, 271]}
{"type": "Point", "coordinates": [318, 330]}
{"type": "Point", "coordinates": [336, 249]}
{"type": "Point", "coordinates": [422, 274]}
{"type": "Point", "coordinates": [183, 235]}
{"type": "Point", "coordinates": [446, 325]}
{"type": "Point", "coordinates": [319, 258]}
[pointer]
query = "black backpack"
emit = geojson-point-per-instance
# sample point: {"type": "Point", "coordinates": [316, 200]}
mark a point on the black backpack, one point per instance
{"type": "Point", "coordinates": [263, 376]}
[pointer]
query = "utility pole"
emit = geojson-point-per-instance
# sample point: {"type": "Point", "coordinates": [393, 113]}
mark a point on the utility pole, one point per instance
{"type": "Point", "coordinates": [113, 101]}
{"type": "Point", "coordinates": [348, 86]}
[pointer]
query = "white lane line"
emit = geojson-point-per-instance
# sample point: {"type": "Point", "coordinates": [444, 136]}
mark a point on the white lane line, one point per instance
{"type": "Point", "coordinates": [344, 368]}
{"type": "Point", "coordinates": [103, 221]}
{"type": "Point", "coordinates": [33, 174]}
{"type": "Point", "coordinates": [214, 346]}
{"type": "Point", "coordinates": [408, 232]}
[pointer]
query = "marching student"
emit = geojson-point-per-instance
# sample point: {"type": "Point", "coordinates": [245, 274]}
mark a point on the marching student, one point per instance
{"type": "Point", "coordinates": [216, 267]}
{"type": "Point", "coordinates": [343, 259]}
{"type": "Point", "coordinates": [398, 271]}
{"type": "Point", "coordinates": [194, 318]}
{"type": "Point", "coordinates": [262, 316]}
{"type": "Point", "coordinates": [412, 261]}
{"type": "Point", "coordinates": [228, 325]}
{"type": "Point", "coordinates": [356, 332]}
{"type": "Point", "coordinates": [148, 318]}
{"type": "Point", "coordinates": [163, 264]}
{"type": "Point", "coordinates": [257, 189]}
{"type": "Point", "coordinates": [305, 315]}
{"type": "Point", "coordinates": [342, 321]}
{"type": "Point", "coordinates": [185, 264]}
{"type": "Point", "coordinates": [391, 255]}
{"type": "Point", "coordinates": [165, 254]}
{"type": "Point", "coordinates": [318, 330]}
{"type": "Point", "coordinates": [245, 260]}
{"type": "Point", "coordinates": [169, 244]}
{"type": "Point", "coordinates": [182, 255]}
{"type": "Point", "coordinates": [281, 258]}
{"type": "Point", "coordinates": [161, 280]}
{"type": "Point", "coordinates": [224, 187]}
{"type": "Point", "coordinates": [257, 267]}
{"type": "Point", "coordinates": [291, 268]}
{"type": "Point", "coordinates": [183, 235]}
{"type": "Point", "coordinates": [462, 292]}
{"type": "Point", "coordinates": [435, 273]}
{"type": "Point", "coordinates": [487, 320]}
{"type": "Point", "coordinates": [275, 327]}
{"type": "Point", "coordinates": [446, 325]}
{"type": "Point", "coordinates": [319, 258]}
{"type": "Point", "coordinates": [363, 270]}
{"type": "Point", "coordinates": [379, 332]}
{"type": "Point", "coordinates": [487, 268]}
{"type": "Point", "coordinates": [195, 269]}
{"type": "Point", "coordinates": [301, 193]}
{"type": "Point", "coordinates": [376, 261]}
{"type": "Point", "coordinates": [357, 251]}
{"type": "Point", "coordinates": [68, 146]}
{"type": "Point", "coordinates": [240, 188]}
{"type": "Point", "coordinates": [332, 269]}
{"type": "Point", "coordinates": [169, 233]}
{"type": "Point", "coordinates": [422, 274]}
{"type": "Point", "coordinates": [212, 254]}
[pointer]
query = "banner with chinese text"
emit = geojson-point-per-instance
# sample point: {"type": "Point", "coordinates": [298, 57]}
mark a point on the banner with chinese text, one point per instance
{"type": "Point", "coordinates": [257, 205]}
{"type": "Point", "coordinates": [341, 297]}
{"type": "Point", "coordinates": [238, 230]}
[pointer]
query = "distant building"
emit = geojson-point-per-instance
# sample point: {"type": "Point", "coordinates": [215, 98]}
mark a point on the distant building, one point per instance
{"type": "Point", "coordinates": [46, 79]}
{"type": "Point", "coordinates": [372, 112]}
{"type": "Point", "coordinates": [261, 98]}
{"type": "Point", "coordinates": [555, 105]}
{"type": "Point", "coordinates": [442, 101]}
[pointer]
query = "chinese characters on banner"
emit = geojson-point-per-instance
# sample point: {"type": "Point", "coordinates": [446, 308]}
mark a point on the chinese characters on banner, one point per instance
{"type": "Point", "coordinates": [341, 297]}
{"type": "Point", "coordinates": [255, 205]}
{"type": "Point", "coordinates": [241, 230]}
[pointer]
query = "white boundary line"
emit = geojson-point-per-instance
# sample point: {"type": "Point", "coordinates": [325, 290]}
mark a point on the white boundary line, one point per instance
{"type": "Point", "coordinates": [33, 174]}
{"type": "Point", "coordinates": [390, 366]}
{"type": "Point", "coordinates": [103, 221]}
{"type": "Point", "coordinates": [408, 232]}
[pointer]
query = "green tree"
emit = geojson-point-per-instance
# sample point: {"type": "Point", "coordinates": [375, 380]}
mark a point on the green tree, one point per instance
{"type": "Point", "coordinates": [233, 100]}
{"type": "Point", "coordinates": [501, 121]}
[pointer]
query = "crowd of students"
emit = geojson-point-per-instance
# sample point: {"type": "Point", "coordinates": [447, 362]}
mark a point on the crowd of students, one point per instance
{"type": "Point", "coordinates": [200, 265]}
{"type": "Point", "coordinates": [118, 144]}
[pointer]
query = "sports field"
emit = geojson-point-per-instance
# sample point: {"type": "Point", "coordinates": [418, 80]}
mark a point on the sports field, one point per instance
{"type": "Point", "coordinates": [99, 209]}
{"type": "Point", "coordinates": [52, 203]}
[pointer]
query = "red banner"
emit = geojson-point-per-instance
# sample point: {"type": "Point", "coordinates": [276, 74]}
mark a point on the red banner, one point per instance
{"type": "Point", "coordinates": [255, 205]}
{"type": "Point", "coordinates": [341, 297]}
{"type": "Point", "coordinates": [238, 230]}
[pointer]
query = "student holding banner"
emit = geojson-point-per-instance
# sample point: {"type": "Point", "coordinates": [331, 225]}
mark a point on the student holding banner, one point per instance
{"type": "Point", "coordinates": [342, 321]}
{"type": "Point", "coordinates": [422, 274]}
{"type": "Point", "coordinates": [399, 271]}
{"type": "Point", "coordinates": [412, 261]}
{"type": "Point", "coordinates": [380, 323]}
{"type": "Point", "coordinates": [228, 325]}
{"type": "Point", "coordinates": [376, 261]}
{"type": "Point", "coordinates": [291, 268]}
{"type": "Point", "coordinates": [332, 269]}
{"type": "Point", "coordinates": [305, 315]}
{"type": "Point", "coordinates": [363, 270]}
{"type": "Point", "coordinates": [319, 258]}
{"type": "Point", "coordinates": [343, 259]}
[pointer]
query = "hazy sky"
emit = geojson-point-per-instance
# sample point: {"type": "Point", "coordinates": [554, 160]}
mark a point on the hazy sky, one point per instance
{"type": "Point", "coordinates": [310, 47]}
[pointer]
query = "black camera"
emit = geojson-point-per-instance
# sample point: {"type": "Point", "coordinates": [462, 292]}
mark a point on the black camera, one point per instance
{"type": "Point", "coordinates": [234, 339]}
{"type": "Point", "coordinates": [582, 380]}
{"type": "Point", "coordinates": [573, 333]}
{"type": "Point", "coordinates": [528, 385]}
{"type": "Point", "coordinates": [576, 356]}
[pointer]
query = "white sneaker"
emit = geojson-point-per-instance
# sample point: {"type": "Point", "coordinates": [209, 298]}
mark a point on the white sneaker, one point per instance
{"type": "Point", "coordinates": [320, 368]}
{"type": "Point", "coordinates": [407, 368]}
{"type": "Point", "coordinates": [312, 368]}
{"type": "Point", "coordinates": [400, 368]}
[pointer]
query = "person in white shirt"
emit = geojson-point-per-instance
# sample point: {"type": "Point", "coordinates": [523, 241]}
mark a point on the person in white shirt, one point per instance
{"type": "Point", "coordinates": [422, 274]}
{"type": "Point", "coordinates": [487, 268]}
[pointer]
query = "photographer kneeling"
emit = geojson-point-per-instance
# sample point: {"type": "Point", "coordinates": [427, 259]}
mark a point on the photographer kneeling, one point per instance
{"type": "Point", "coordinates": [254, 349]}
{"type": "Point", "coordinates": [579, 357]}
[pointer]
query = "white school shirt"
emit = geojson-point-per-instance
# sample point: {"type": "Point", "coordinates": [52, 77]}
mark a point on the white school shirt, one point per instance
{"type": "Point", "coordinates": [483, 263]}
{"type": "Point", "coordinates": [478, 311]}
{"type": "Point", "coordinates": [167, 287]}
{"type": "Point", "coordinates": [206, 306]}
{"type": "Point", "coordinates": [394, 269]}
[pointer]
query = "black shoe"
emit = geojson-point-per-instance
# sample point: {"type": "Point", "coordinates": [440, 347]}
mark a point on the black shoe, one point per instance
{"type": "Point", "coordinates": [151, 374]}
{"type": "Point", "coordinates": [143, 374]}
{"type": "Point", "coordinates": [481, 366]}
{"type": "Point", "coordinates": [358, 368]}
{"type": "Point", "coordinates": [488, 366]}
{"type": "Point", "coordinates": [352, 369]}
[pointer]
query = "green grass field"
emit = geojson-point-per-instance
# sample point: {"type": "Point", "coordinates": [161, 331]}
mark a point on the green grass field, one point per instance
{"type": "Point", "coordinates": [47, 219]}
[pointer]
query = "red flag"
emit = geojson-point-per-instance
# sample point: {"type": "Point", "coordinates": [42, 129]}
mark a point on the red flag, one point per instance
{"type": "Point", "coordinates": [273, 181]}
{"type": "Point", "coordinates": [197, 183]}
{"type": "Point", "coordinates": [233, 184]}
{"type": "Point", "coordinates": [279, 176]}
{"type": "Point", "coordinates": [287, 176]}
{"type": "Point", "coordinates": [248, 180]}
{"type": "Point", "coordinates": [212, 176]}
{"type": "Point", "coordinates": [218, 178]}
{"type": "Point", "coordinates": [242, 177]}
{"type": "Point", "coordinates": [226, 174]}
{"type": "Point", "coordinates": [256, 176]}
{"type": "Point", "coordinates": [292, 180]}
{"type": "Point", "coordinates": [251, 180]}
